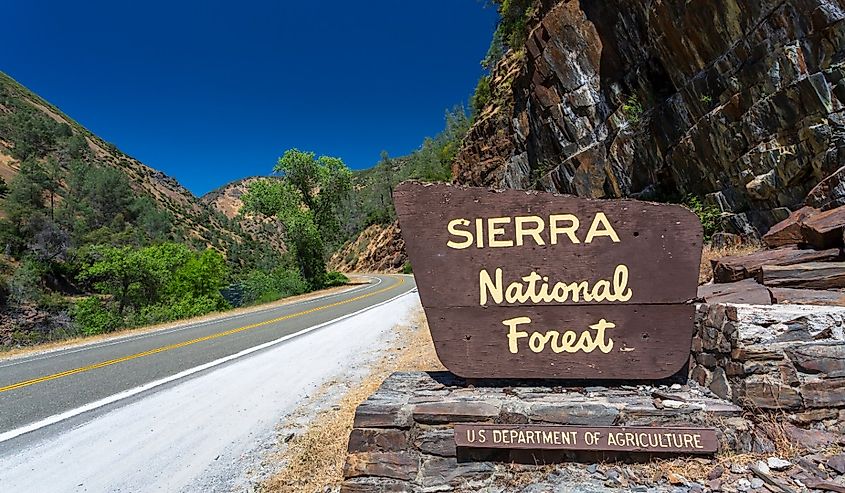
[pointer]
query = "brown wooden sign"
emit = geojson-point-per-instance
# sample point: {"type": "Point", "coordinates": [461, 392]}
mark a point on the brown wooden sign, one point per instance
{"type": "Point", "coordinates": [595, 438]}
{"type": "Point", "coordinates": [523, 284]}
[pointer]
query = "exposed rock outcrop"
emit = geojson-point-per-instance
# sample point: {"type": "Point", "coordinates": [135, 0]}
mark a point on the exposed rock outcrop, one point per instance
{"type": "Point", "coordinates": [740, 101]}
{"type": "Point", "coordinates": [379, 248]}
{"type": "Point", "coordinates": [227, 201]}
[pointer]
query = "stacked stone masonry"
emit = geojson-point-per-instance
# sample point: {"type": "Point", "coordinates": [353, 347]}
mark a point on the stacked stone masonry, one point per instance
{"type": "Point", "coordinates": [403, 437]}
{"type": "Point", "coordinates": [775, 357]}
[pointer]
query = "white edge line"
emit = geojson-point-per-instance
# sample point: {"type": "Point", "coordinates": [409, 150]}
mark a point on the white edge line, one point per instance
{"type": "Point", "coordinates": [56, 418]}
{"type": "Point", "coordinates": [178, 326]}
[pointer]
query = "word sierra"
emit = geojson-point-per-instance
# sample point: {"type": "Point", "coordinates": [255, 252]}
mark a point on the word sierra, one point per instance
{"type": "Point", "coordinates": [533, 227]}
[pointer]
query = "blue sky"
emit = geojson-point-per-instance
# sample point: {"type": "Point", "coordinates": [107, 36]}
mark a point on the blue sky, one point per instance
{"type": "Point", "coordinates": [212, 91]}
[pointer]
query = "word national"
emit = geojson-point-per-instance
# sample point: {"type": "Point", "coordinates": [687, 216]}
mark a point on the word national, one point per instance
{"type": "Point", "coordinates": [501, 232]}
{"type": "Point", "coordinates": [538, 289]}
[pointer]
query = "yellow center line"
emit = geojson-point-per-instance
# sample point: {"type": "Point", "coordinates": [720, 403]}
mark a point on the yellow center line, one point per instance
{"type": "Point", "coordinates": [217, 335]}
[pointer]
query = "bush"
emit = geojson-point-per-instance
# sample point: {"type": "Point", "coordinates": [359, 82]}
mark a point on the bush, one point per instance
{"type": "Point", "coordinates": [633, 109]}
{"type": "Point", "coordinates": [25, 285]}
{"type": "Point", "coordinates": [334, 278]}
{"type": "Point", "coordinates": [262, 287]}
{"type": "Point", "coordinates": [709, 215]}
{"type": "Point", "coordinates": [406, 269]}
{"type": "Point", "coordinates": [186, 307]}
{"type": "Point", "coordinates": [91, 316]}
{"type": "Point", "coordinates": [483, 94]}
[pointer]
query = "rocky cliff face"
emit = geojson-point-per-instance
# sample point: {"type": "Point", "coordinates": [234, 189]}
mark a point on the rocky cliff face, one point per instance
{"type": "Point", "coordinates": [379, 248]}
{"type": "Point", "coordinates": [739, 101]}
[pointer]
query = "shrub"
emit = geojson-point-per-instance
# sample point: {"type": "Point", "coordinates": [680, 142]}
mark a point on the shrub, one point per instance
{"type": "Point", "coordinates": [406, 269]}
{"type": "Point", "coordinates": [185, 307]}
{"type": "Point", "coordinates": [633, 109]}
{"type": "Point", "coordinates": [483, 94]}
{"type": "Point", "coordinates": [709, 215]}
{"type": "Point", "coordinates": [91, 316]}
{"type": "Point", "coordinates": [25, 284]}
{"type": "Point", "coordinates": [334, 278]}
{"type": "Point", "coordinates": [262, 287]}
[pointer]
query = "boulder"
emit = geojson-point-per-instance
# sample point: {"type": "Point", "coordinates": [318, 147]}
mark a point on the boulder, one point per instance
{"type": "Point", "coordinates": [758, 326]}
{"type": "Point", "coordinates": [453, 411]}
{"type": "Point", "coordinates": [737, 267]}
{"type": "Point", "coordinates": [746, 291]}
{"type": "Point", "coordinates": [725, 240]}
{"type": "Point", "coordinates": [795, 296]}
{"type": "Point", "coordinates": [762, 392]}
{"type": "Point", "coordinates": [826, 392]}
{"type": "Point", "coordinates": [826, 358]}
{"type": "Point", "coordinates": [393, 465]}
{"type": "Point", "coordinates": [828, 193]}
{"type": "Point", "coordinates": [816, 275]}
{"type": "Point", "coordinates": [790, 230]}
{"type": "Point", "coordinates": [824, 230]}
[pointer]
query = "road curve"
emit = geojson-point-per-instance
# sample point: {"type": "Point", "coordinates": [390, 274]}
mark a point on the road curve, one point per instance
{"type": "Point", "coordinates": [44, 389]}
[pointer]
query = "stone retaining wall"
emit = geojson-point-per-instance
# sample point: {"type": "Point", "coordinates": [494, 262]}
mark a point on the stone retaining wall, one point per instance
{"type": "Point", "coordinates": [403, 437]}
{"type": "Point", "coordinates": [774, 357]}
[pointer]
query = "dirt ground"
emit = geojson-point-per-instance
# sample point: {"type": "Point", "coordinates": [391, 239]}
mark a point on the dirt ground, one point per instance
{"type": "Point", "coordinates": [313, 460]}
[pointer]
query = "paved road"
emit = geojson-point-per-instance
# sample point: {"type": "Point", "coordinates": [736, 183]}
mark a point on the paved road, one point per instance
{"type": "Point", "coordinates": [38, 391]}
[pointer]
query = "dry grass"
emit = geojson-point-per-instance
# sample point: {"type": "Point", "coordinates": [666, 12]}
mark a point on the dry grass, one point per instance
{"type": "Point", "coordinates": [697, 469]}
{"type": "Point", "coordinates": [315, 459]}
{"type": "Point", "coordinates": [705, 272]}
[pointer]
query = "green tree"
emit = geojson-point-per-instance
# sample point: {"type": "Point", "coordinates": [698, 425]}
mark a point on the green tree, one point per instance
{"type": "Point", "coordinates": [159, 282]}
{"type": "Point", "coordinates": [120, 272]}
{"type": "Point", "coordinates": [109, 196]}
{"type": "Point", "coordinates": [23, 204]}
{"type": "Point", "coordinates": [201, 275]}
{"type": "Point", "coordinates": [305, 199]}
{"type": "Point", "coordinates": [4, 189]}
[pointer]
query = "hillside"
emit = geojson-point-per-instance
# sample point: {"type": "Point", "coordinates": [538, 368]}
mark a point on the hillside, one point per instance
{"type": "Point", "coordinates": [227, 201]}
{"type": "Point", "coordinates": [92, 240]}
{"type": "Point", "coordinates": [195, 222]}
{"type": "Point", "coordinates": [379, 248]}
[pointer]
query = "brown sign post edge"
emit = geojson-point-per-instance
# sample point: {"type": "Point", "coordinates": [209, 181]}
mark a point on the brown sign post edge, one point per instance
{"type": "Point", "coordinates": [526, 284]}
{"type": "Point", "coordinates": [590, 438]}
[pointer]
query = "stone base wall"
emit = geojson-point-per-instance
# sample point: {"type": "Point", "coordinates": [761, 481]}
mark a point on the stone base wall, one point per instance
{"type": "Point", "coordinates": [403, 438]}
{"type": "Point", "coordinates": [746, 361]}
{"type": "Point", "coordinates": [774, 358]}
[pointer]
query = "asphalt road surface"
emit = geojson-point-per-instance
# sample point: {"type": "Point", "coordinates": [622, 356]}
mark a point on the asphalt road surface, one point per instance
{"type": "Point", "coordinates": [40, 392]}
